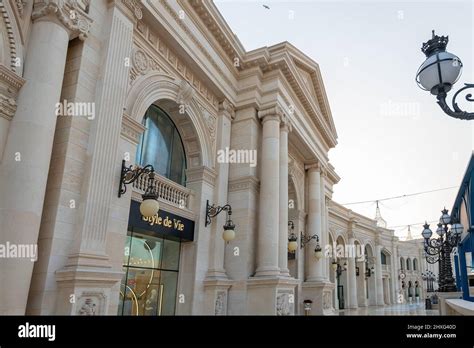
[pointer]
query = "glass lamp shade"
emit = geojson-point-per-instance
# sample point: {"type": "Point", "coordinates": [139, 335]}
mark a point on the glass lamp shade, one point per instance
{"type": "Point", "coordinates": [441, 70]}
{"type": "Point", "coordinates": [334, 266]}
{"type": "Point", "coordinates": [228, 235]}
{"type": "Point", "coordinates": [318, 253]}
{"type": "Point", "coordinates": [445, 218]}
{"type": "Point", "coordinates": [292, 245]}
{"type": "Point", "coordinates": [149, 207]}
{"type": "Point", "coordinates": [457, 228]}
{"type": "Point", "coordinates": [440, 230]}
{"type": "Point", "coordinates": [229, 230]}
{"type": "Point", "coordinates": [427, 233]}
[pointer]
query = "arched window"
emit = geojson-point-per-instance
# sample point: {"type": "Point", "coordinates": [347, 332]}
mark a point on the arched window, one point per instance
{"type": "Point", "coordinates": [161, 146]}
{"type": "Point", "coordinates": [415, 264]}
{"type": "Point", "coordinates": [402, 263]}
{"type": "Point", "coordinates": [408, 264]}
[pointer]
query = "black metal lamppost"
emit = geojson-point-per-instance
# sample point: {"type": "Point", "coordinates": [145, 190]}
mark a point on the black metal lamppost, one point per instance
{"type": "Point", "coordinates": [149, 206]}
{"type": "Point", "coordinates": [229, 227]}
{"type": "Point", "coordinates": [293, 241]}
{"type": "Point", "coordinates": [439, 72]}
{"type": "Point", "coordinates": [439, 249]}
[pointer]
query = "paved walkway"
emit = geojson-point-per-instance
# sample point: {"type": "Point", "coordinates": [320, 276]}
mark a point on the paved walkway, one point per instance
{"type": "Point", "coordinates": [397, 309]}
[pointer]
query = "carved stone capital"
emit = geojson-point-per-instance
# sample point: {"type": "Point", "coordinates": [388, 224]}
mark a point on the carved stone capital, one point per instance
{"type": "Point", "coordinates": [313, 166]}
{"type": "Point", "coordinates": [272, 113]}
{"type": "Point", "coordinates": [135, 7]}
{"type": "Point", "coordinates": [226, 108]}
{"type": "Point", "coordinates": [70, 13]}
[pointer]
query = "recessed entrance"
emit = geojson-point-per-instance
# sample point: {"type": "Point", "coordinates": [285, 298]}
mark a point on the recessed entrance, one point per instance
{"type": "Point", "coordinates": [151, 266]}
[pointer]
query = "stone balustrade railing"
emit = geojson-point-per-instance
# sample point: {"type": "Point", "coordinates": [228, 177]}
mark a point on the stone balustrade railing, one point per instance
{"type": "Point", "coordinates": [167, 190]}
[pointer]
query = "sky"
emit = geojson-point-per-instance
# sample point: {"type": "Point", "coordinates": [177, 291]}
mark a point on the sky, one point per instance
{"type": "Point", "coordinates": [393, 139]}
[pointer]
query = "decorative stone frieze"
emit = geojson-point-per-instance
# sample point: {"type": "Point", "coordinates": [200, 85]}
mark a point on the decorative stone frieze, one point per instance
{"type": "Point", "coordinates": [68, 12]}
{"type": "Point", "coordinates": [10, 84]}
{"type": "Point", "coordinates": [135, 7]}
{"type": "Point", "coordinates": [148, 38]}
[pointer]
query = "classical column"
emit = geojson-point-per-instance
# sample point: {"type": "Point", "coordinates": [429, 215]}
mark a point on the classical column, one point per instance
{"type": "Point", "coordinates": [88, 262]}
{"type": "Point", "coordinates": [25, 164]}
{"type": "Point", "coordinates": [362, 286]}
{"type": "Point", "coordinates": [314, 268]}
{"type": "Point", "coordinates": [352, 284]}
{"type": "Point", "coordinates": [216, 253]}
{"type": "Point", "coordinates": [268, 236]}
{"type": "Point", "coordinates": [378, 276]}
{"type": "Point", "coordinates": [283, 216]}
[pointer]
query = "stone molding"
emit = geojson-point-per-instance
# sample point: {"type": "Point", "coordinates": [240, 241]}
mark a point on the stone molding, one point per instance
{"type": "Point", "coordinates": [201, 173]}
{"type": "Point", "coordinates": [150, 47]}
{"type": "Point", "coordinates": [131, 129]}
{"type": "Point", "coordinates": [10, 85]}
{"type": "Point", "coordinates": [244, 183]}
{"type": "Point", "coordinates": [10, 36]}
{"type": "Point", "coordinates": [69, 14]}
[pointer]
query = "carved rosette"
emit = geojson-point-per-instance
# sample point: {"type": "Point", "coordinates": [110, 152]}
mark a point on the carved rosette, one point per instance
{"type": "Point", "coordinates": [70, 13]}
{"type": "Point", "coordinates": [142, 64]}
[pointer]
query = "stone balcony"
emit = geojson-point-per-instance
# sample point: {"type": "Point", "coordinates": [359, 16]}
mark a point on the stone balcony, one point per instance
{"type": "Point", "coordinates": [170, 193]}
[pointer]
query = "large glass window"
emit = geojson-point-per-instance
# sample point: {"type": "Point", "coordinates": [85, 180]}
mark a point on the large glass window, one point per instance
{"type": "Point", "coordinates": [161, 146]}
{"type": "Point", "coordinates": [150, 282]}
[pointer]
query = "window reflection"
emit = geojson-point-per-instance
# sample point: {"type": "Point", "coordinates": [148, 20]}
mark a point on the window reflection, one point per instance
{"type": "Point", "coordinates": [161, 146]}
{"type": "Point", "coordinates": [151, 267]}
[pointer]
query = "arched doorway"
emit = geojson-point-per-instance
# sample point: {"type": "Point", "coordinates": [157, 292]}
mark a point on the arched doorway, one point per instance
{"type": "Point", "coordinates": [151, 257]}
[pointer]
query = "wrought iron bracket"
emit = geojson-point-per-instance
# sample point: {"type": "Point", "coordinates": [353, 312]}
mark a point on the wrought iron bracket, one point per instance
{"type": "Point", "coordinates": [131, 173]}
{"type": "Point", "coordinates": [306, 239]}
{"type": "Point", "coordinates": [213, 211]}
{"type": "Point", "coordinates": [456, 112]}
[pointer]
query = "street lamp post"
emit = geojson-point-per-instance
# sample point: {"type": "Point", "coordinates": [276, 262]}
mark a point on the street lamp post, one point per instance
{"type": "Point", "coordinates": [439, 72]}
{"type": "Point", "coordinates": [439, 249]}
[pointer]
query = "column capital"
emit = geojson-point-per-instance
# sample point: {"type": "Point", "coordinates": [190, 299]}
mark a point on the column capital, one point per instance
{"type": "Point", "coordinates": [71, 14]}
{"type": "Point", "coordinates": [313, 166]}
{"type": "Point", "coordinates": [285, 125]}
{"type": "Point", "coordinates": [227, 109]}
{"type": "Point", "coordinates": [272, 113]}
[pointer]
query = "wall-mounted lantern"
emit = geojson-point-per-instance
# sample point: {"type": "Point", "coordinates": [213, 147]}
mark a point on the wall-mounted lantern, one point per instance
{"type": "Point", "coordinates": [229, 227]}
{"type": "Point", "coordinates": [149, 206]}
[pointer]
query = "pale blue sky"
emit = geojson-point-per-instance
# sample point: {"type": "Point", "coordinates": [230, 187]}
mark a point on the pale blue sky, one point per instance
{"type": "Point", "coordinates": [369, 52]}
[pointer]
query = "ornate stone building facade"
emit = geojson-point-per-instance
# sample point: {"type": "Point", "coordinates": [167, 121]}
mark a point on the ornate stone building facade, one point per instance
{"type": "Point", "coordinates": [168, 82]}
